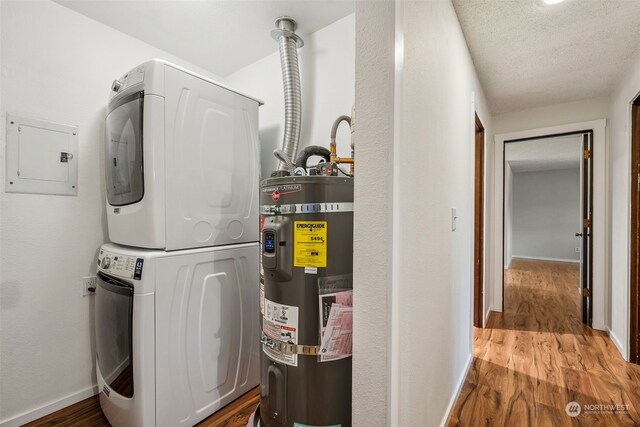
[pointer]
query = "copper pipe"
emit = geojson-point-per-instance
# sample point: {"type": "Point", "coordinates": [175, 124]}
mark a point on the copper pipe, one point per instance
{"type": "Point", "coordinates": [332, 146]}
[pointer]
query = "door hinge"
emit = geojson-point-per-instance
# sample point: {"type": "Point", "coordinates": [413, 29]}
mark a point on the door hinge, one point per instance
{"type": "Point", "coordinates": [587, 154]}
{"type": "Point", "coordinates": [586, 292]}
{"type": "Point", "coordinates": [586, 223]}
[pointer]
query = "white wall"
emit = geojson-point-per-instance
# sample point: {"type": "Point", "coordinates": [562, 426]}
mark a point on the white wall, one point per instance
{"type": "Point", "coordinates": [372, 261]}
{"type": "Point", "coordinates": [546, 214]}
{"type": "Point", "coordinates": [418, 101]}
{"type": "Point", "coordinates": [327, 77]}
{"type": "Point", "coordinates": [551, 115]}
{"type": "Point", "coordinates": [619, 180]}
{"type": "Point", "coordinates": [56, 65]}
{"type": "Point", "coordinates": [440, 92]}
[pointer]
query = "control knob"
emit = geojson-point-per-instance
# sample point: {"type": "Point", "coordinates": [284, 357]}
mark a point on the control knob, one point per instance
{"type": "Point", "coordinates": [106, 262]}
{"type": "Point", "coordinates": [116, 85]}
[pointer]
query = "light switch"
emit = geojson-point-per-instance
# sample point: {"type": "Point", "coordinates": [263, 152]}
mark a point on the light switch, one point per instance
{"type": "Point", "coordinates": [454, 219]}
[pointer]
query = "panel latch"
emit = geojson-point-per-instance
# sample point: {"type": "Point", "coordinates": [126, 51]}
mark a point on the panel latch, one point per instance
{"type": "Point", "coordinates": [65, 157]}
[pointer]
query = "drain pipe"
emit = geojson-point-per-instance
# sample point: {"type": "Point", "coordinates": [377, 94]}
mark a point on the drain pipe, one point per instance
{"type": "Point", "coordinates": [289, 42]}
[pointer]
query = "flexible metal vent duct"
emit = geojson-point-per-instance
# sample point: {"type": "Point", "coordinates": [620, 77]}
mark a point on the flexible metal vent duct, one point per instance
{"type": "Point", "coordinates": [289, 41]}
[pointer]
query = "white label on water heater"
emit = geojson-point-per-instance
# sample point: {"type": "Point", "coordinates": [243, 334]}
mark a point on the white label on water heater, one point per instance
{"type": "Point", "coordinates": [311, 270]}
{"type": "Point", "coordinates": [336, 325]}
{"type": "Point", "coordinates": [280, 322]}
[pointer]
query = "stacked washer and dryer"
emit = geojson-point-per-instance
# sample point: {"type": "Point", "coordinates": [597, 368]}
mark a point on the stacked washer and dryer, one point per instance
{"type": "Point", "coordinates": [176, 310]}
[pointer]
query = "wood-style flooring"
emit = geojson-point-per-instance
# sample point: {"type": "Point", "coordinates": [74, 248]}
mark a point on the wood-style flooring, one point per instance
{"type": "Point", "coordinates": [88, 414]}
{"type": "Point", "coordinates": [536, 357]}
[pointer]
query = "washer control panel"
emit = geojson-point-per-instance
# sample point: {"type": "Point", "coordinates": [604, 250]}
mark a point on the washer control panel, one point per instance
{"type": "Point", "coordinates": [120, 265]}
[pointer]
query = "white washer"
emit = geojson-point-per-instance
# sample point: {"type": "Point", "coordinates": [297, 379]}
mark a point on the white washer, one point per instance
{"type": "Point", "coordinates": [177, 333]}
{"type": "Point", "coordinates": [182, 166]}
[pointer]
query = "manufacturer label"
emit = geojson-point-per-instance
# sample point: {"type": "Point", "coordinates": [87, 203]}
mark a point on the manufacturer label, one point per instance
{"type": "Point", "coordinates": [277, 191]}
{"type": "Point", "coordinates": [310, 244]}
{"type": "Point", "coordinates": [280, 322]}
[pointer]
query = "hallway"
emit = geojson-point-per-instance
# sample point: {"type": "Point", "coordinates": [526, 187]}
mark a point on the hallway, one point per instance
{"type": "Point", "coordinates": [536, 357]}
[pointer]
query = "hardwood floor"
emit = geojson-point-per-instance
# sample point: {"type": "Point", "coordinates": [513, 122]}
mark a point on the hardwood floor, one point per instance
{"type": "Point", "coordinates": [536, 357]}
{"type": "Point", "coordinates": [529, 363]}
{"type": "Point", "coordinates": [88, 413]}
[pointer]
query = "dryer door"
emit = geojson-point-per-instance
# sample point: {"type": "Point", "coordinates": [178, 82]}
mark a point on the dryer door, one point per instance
{"type": "Point", "coordinates": [123, 150]}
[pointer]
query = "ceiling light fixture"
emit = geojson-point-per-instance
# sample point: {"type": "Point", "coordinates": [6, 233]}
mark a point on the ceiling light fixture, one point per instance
{"type": "Point", "coordinates": [550, 2]}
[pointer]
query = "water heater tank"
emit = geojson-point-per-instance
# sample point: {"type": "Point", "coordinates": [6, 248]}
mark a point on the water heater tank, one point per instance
{"type": "Point", "coordinates": [306, 301]}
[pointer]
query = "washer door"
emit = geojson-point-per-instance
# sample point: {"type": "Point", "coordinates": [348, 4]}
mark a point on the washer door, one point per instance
{"type": "Point", "coordinates": [114, 312]}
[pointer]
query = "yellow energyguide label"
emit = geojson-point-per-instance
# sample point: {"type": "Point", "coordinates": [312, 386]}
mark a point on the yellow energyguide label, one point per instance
{"type": "Point", "coordinates": [310, 243]}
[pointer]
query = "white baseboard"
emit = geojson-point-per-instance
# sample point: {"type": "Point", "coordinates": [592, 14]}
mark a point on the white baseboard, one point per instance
{"type": "Point", "coordinates": [618, 344]}
{"type": "Point", "coordinates": [539, 258]}
{"type": "Point", "coordinates": [49, 408]}
{"type": "Point", "coordinates": [456, 393]}
{"type": "Point", "coordinates": [487, 314]}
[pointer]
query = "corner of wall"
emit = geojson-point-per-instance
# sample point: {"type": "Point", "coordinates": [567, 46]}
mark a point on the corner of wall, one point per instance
{"type": "Point", "coordinates": [456, 393]}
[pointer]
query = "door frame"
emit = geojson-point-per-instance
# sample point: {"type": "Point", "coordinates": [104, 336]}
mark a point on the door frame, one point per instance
{"type": "Point", "coordinates": [478, 240]}
{"type": "Point", "coordinates": [600, 215]}
{"type": "Point", "coordinates": [634, 236]}
{"type": "Point", "coordinates": [586, 230]}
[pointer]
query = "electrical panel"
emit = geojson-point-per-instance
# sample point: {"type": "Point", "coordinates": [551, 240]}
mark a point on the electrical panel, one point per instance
{"type": "Point", "coordinates": [42, 157]}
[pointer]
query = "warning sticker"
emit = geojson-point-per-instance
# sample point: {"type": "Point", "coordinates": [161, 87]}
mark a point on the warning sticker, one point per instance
{"type": "Point", "coordinates": [261, 298]}
{"type": "Point", "coordinates": [280, 322]}
{"type": "Point", "coordinates": [310, 244]}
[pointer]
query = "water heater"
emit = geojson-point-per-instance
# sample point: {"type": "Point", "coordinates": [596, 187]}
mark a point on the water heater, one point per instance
{"type": "Point", "coordinates": [306, 300]}
{"type": "Point", "coordinates": [306, 285]}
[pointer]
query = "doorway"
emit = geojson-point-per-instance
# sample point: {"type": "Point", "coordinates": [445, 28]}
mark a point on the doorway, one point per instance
{"type": "Point", "coordinates": [547, 226]}
{"type": "Point", "coordinates": [600, 262]}
{"type": "Point", "coordinates": [634, 296]}
{"type": "Point", "coordinates": [478, 251]}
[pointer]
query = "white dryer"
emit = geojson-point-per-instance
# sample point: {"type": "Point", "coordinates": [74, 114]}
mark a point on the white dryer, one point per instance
{"type": "Point", "coordinates": [177, 333]}
{"type": "Point", "coordinates": [182, 166]}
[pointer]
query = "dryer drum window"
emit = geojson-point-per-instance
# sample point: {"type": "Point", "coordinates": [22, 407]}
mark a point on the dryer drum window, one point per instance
{"type": "Point", "coordinates": [123, 151]}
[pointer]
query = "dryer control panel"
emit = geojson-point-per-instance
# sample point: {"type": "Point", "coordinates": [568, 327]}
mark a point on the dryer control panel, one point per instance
{"type": "Point", "coordinates": [133, 77]}
{"type": "Point", "coordinates": [120, 265]}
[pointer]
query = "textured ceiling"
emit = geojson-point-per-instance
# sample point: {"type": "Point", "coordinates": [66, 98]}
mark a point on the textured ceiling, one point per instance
{"type": "Point", "coordinates": [528, 54]}
{"type": "Point", "coordinates": [221, 36]}
{"type": "Point", "coordinates": [544, 154]}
